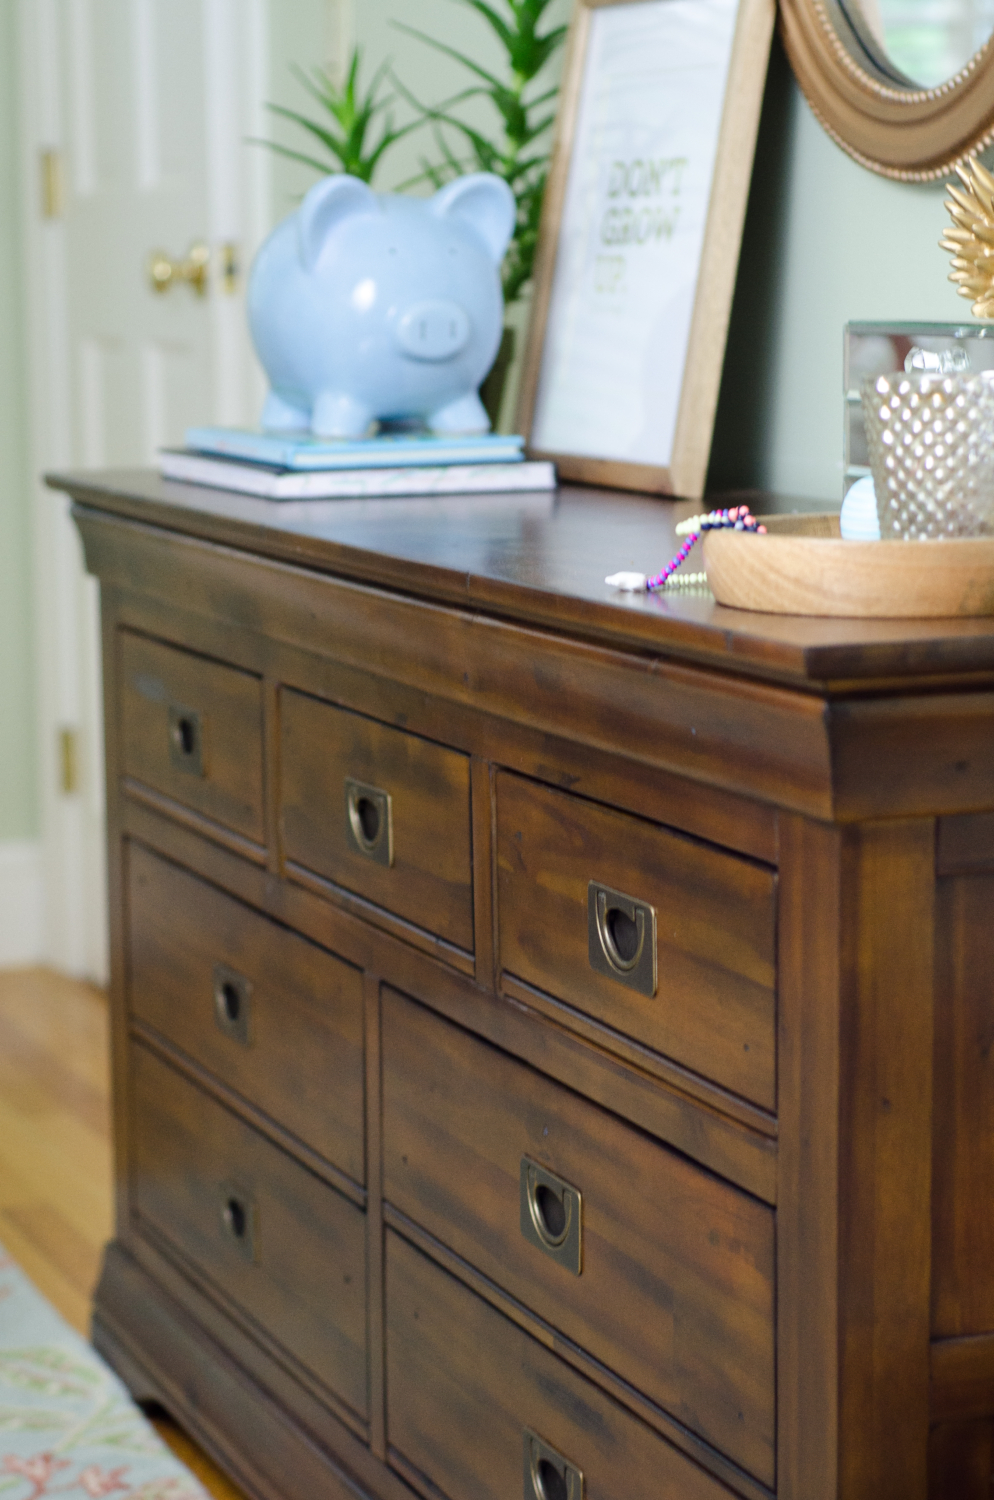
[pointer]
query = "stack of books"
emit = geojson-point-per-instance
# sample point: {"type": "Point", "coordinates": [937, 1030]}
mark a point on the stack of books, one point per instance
{"type": "Point", "coordinates": [296, 466]}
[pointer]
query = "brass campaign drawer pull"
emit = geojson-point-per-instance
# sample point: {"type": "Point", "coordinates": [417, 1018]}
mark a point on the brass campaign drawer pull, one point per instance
{"type": "Point", "coordinates": [547, 1474]}
{"type": "Point", "coordinates": [621, 935]}
{"type": "Point", "coordinates": [552, 1215]}
{"type": "Point", "coordinates": [369, 821]}
{"type": "Point", "coordinates": [186, 739]}
{"type": "Point", "coordinates": [233, 1004]}
{"type": "Point", "coordinates": [240, 1218]}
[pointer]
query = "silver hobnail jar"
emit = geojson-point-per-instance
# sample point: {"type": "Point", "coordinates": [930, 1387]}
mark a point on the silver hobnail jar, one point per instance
{"type": "Point", "coordinates": [931, 442]}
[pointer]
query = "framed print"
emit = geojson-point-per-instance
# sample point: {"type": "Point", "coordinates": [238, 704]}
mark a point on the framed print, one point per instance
{"type": "Point", "coordinates": [640, 238]}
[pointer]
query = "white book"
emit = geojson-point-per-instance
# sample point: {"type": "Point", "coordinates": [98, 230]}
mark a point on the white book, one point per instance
{"type": "Point", "coordinates": [275, 483]}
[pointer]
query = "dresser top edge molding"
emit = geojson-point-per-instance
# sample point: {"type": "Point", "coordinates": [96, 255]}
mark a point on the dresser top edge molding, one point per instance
{"type": "Point", "coordinates": [540, 560]}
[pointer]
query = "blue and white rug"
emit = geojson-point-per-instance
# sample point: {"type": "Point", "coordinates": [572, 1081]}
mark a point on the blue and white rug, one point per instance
{"type": "Point", "coordinates": [67, 1424]}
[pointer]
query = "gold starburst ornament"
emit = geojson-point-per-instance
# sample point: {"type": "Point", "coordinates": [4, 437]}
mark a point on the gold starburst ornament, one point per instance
{"type": "Point", "coordinates": [970, 239]}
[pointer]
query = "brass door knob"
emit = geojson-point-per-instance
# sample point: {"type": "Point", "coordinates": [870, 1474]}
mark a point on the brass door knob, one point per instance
{"type": "Point", "coordinates": [164, 273]}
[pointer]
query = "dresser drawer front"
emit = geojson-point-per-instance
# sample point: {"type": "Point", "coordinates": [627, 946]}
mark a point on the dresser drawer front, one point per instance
{"type": "Point", "coordinates": [273, 1016]}
{"type": "Point", "coordinates": [192, 729]}
{"type": "Point", "coordinates": [468, 1390]}
{"type": "Point", "coordinates": [339, 768]}
{"type": "Point", "coordinates": [297, 1266]}
{"type": "Point", "coordinates": [676, 1283]}
{"type": "Point", "coordinates": [714, 1006]}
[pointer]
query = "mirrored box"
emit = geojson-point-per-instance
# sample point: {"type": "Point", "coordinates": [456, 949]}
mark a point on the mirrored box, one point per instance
{"type": "Point", "coordinates": [870, 349]}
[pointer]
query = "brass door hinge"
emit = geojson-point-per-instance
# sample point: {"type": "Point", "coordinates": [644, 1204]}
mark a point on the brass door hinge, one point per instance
{"type": "Point", "coordinates": [52, 185]}
{"type": "Point", "coordinates": [69, 761]}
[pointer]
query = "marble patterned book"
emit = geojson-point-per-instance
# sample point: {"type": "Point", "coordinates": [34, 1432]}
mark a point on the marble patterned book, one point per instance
{"type": "Point", "coordinates": [277, 482]}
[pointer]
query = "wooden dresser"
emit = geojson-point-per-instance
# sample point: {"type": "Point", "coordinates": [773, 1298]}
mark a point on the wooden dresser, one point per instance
{"type": "Point", "coordinates": [554, 1031]}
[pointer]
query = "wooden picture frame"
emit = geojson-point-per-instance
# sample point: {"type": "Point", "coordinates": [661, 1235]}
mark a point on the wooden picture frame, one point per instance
{"type": "Point", "coordinates": [604, 207]}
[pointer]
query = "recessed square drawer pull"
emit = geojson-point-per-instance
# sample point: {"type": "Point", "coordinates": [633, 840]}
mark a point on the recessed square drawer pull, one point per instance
{"type": "Point", "coordinates": [369, 821]}
{"type": "Point", "coordinates": [551, 1215]}
{"type": "Point", "coordinates": [239, 1218]}
{"type": "Point", "coordinates": [233, 1004]}
{"type": "Point", "coordinates": [621, 934]}
{"type": "Point", "coordinates": [549, 1476]}
{"type": "Point", "coordinates": [186, 739]}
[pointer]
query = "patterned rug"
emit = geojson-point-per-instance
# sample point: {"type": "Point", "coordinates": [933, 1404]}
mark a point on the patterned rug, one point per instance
{"type": "Point", "coordinates": [67, 1424]}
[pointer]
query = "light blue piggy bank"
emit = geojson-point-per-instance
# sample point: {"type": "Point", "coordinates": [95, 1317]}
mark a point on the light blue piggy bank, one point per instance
{"type": "Point", "coordinates": [368, 306]}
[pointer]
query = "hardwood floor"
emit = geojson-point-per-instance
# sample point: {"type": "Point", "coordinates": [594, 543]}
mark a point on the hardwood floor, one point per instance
{"type": "Point", "coordinates": [56, 1207]}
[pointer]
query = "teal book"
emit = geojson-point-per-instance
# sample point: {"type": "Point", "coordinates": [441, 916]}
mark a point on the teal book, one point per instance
{"type": "Point", "coordinates": [390, 450]}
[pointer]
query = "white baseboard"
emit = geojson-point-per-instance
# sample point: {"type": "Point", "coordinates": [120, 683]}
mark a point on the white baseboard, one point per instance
{"type": "Point", "coordinates": [22, 904]}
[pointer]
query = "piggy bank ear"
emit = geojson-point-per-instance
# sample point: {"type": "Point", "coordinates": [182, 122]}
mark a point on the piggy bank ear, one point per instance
{"type": "Point", "coordinates": [329, 202]}
{"type": "Point", "coordinates": [483, 201]}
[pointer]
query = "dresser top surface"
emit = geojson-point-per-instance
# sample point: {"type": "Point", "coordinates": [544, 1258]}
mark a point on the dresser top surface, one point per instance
{"type": "Point", "coordinates": [541, 559]}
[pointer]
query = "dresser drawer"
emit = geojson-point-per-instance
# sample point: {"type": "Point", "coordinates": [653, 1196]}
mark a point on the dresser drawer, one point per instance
{"type": "Point", "coordinates": [272, 1015]}
{"type": "Point", "coordinates": [703, 993]}
{"type": "Point", "coordinates": [476, 1427]}
{"type": "Point", "coordinates": [192, 728]}
{"type": "Point", "coordinates": [279, 1242]}
{"type": "Point", "coordinates": [380, 812]}
{"type": "Point", "coordinates": [665, 1274]}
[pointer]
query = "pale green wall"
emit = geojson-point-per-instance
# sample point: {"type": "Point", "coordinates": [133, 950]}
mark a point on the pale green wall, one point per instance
{"type": "Point", "coordinates": [826, 241]}
{"type": "Point", "coordinates": [308, 33]}
{"type": "Point", "coordinates": [18, 790]}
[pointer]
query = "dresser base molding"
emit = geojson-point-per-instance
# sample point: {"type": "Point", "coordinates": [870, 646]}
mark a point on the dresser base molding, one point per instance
{"type": "Point", "coordinates": [164, 1354]}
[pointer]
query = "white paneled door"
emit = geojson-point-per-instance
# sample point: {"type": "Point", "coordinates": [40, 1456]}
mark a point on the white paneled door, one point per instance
{"type": "Point", "coordinates": [136, 114]}
{"type": "Point", "coordinates": [149, 94]}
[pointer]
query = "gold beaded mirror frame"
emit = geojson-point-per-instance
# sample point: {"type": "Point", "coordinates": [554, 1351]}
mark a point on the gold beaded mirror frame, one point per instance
{"type": "Point", "coordinates": [871, 108]}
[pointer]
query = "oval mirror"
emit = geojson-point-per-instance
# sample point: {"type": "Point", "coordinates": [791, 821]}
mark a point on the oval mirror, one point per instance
{"type": "Point", "coordinates": [905, 86]}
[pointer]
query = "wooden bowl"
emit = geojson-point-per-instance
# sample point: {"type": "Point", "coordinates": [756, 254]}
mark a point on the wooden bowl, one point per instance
{"type": "Point", "coordinates": [803, 567]}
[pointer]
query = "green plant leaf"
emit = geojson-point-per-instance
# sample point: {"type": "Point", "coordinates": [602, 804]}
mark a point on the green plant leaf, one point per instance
{"type": "Point", "coordinates": [333, 143]}
{"type": "Point", "coordinates": [308, 161]}
{"type": "Point", "coordinates": [500, 27]}
{"type": "Point", "coordinates": [459, 57]}
{"type": "Point", "coordinates": [365, 131]}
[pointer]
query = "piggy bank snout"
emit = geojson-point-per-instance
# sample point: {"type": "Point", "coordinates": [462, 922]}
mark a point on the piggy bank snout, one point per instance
{"type": "Point", "coordinates": [433, 330]}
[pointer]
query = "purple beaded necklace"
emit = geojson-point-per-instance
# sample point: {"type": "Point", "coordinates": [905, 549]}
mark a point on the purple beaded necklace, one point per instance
{"type": "Point", "coordinates": [736, 518]}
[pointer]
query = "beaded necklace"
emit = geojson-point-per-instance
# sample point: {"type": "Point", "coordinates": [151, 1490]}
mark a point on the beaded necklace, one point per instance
{"type": "Point", "coordinates": [735, 518]}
